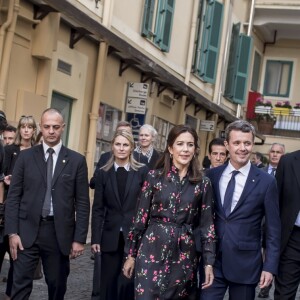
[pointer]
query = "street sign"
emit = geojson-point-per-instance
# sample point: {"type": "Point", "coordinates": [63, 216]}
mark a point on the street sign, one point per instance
{"type": "Point", "coordinates": [136, 106]}
{"type": "Point", "coordinates": [137, 90]}
{"type": "Point", "coordinates": [136, 99]}
{"type": "Point", "coordinates": [206, 125]}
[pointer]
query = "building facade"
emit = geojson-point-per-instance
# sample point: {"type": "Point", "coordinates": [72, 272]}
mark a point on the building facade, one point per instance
{"type": "Point", "coordinates": [161, 62]}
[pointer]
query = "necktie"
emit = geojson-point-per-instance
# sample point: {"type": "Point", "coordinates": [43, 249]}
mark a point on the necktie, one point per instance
{"type": "Point", "coordinates": [229, 193]}
{"type": "Point", "coordinates": [47, 201]}
{"type": "Point", "coordinates": [273, 172]}
{"type": "Point", "coordinates": [121, 181]}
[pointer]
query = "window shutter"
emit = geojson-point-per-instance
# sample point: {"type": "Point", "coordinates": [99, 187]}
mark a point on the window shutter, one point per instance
{"type": "Point", "coordinates": [164, 24]}
{"type": "Point", "coordinates": [230, 76]}
{"type": "Point", "coordinates": [241, 78]}
{"type": "Point", "coordinates": [255, 72]}
{"type": "Point", "coordinates": [197, 54]}
{"type": "Point", "coordinates": [148, 18]}
{"type": "Point", "coordinates": [210, 41]}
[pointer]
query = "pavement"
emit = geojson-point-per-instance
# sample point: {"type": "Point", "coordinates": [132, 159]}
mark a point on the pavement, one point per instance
{"type": "Point", "coordinates": [79, 281]}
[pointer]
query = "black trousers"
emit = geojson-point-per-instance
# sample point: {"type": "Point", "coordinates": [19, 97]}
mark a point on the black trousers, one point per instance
{"type": "Point", "coordinates": [288, 278]}
{"type": "Point", "coordinates": [114, 285]}
{"type": "Point", "coordinates": [56, 265]}
{"type": "Point", "coordinates": [4, 247]}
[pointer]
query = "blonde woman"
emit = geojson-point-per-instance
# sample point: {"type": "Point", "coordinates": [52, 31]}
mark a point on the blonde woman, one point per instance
{"type": "Point", "coordinates": [24, 139]}
{"type": "Point", "coordinates": [118, 184]}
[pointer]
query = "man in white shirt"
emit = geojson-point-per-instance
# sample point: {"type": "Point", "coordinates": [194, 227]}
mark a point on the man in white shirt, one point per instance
{"type": "Point", "coordinates": [244, 194]}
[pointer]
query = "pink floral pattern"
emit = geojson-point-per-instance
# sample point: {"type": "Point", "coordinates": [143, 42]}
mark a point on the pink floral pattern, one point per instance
{"type": "Point", "coordinates": [173, 218]}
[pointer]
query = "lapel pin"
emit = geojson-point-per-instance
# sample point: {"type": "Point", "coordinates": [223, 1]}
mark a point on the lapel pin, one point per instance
{"type": "Point", "coordinates": [64, 161]}
{"type": "Point", "coordinates": [253, 180]}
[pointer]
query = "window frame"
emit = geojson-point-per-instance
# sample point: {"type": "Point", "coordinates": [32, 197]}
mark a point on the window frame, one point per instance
{"type": "Point", "coordinates": [284, 62]}
{"type": "Point", "coordinates": [158, 22]}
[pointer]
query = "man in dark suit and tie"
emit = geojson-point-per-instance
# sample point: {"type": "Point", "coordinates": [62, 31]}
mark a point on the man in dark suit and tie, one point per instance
{"type": "Point", "coordinates": [288, 181]}
{"type": "Point", "coordinates": [47, 217]}
{"type": "Point", "coordinates": [244, 194]}
{"type": "Point", "coordinates": [275, 153]}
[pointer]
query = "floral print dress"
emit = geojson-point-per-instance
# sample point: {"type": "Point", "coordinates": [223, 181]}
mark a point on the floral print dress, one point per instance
{"type": "Point", "coordinates": [174, 221]}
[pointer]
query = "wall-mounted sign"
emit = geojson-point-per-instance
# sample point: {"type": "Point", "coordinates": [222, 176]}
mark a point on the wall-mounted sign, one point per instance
{"type": "Point", "coordinates": [136, 99]}
{"type": "Point", "coordinates": [136, 106]}
{"type": "Point", "coordinates": [206, 125]}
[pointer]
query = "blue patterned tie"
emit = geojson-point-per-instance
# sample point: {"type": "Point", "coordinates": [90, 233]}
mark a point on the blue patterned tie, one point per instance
{"type": "Point", "coordinates": [229, 194]}
{"type": "Point", "coordinates": [273, 172]}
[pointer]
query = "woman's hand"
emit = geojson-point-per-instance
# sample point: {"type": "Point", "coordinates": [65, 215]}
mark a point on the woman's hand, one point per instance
{"type": "Point", "coordinates": [95, 248]}
{"type": "Point", "coordinates": [209, 277]}
{"type": "Point", "coordinates": [129, 267]}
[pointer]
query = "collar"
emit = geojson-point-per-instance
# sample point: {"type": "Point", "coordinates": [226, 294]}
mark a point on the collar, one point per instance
{"type": "Point", "coordinates": [243, 170]}
{"type": "Point", "coordinates": [127, 166]}
{"type": "Point", "coordinates": [56, 148]}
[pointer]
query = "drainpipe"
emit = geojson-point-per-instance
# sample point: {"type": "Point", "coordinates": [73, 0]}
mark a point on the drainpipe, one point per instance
{"type": "Point", "coordinates": [93, 115]}
{"type": "Point", "coordinates": [7, 47]}
{"type": "Point", "coordinates": [5, 26]}
{"type": "Point", "coordinates": [98, 83]}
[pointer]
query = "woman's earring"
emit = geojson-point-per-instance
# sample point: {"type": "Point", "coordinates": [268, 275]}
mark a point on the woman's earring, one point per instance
{"type": "Point", "coordinates": [171, 155]}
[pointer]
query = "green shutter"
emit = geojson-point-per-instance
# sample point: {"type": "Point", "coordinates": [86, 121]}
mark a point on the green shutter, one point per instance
{"type": "Point", "coordinates": [255, 72]}
{"type": "Point", "coordinates": [148, 17]}
{"type": "Point", "coordinates": [241, 78]}
{"type": "Point", "coordinates": [197, 54]}
{"type": "Point", "coordinates": [230, 76]}
{"type": "Point", "coordinates": [210, 41]}
{"type": "Point", "coordinates": [164, 23]}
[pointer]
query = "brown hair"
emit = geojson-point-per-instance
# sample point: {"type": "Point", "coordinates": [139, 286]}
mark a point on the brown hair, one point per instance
{"type": "Point", "coordinates": [165, 161]}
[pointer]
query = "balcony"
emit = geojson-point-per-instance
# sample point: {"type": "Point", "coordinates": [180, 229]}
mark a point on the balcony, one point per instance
{"type": "Point", "coordinates": [280, 122]}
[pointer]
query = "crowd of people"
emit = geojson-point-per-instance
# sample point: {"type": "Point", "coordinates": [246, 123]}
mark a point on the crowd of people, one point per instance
{"type": "Point", "coordinates": [165, 227]}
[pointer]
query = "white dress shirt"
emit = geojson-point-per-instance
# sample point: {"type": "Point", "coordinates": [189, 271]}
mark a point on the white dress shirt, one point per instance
{"type": "Point", "coordinates": [240, 181]}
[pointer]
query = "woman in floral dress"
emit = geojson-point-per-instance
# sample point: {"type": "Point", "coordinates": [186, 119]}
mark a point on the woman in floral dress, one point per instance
{"type": "Point", "coordinates": [173, 223]}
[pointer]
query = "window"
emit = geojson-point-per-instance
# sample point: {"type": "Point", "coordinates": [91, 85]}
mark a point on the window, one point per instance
{"type": "Point", "coordinates": [278, 78]}
{"type": "Point", "coordinates": [108, 118]}
{"type": "Point", "coordinates": [255, 72]}
{"type": "Point", "coordinates": [191, 121]}
{"type": "Point", "coordinates": [157, 22]}
{"type": "Point", "coordinates": [64, 105]}
{"type": "Point", "coordinates": [163, 127]}
{"type": "Point", "coordinates": [207, 40]}
{"type": "Point", "coordinates": [238, 66]}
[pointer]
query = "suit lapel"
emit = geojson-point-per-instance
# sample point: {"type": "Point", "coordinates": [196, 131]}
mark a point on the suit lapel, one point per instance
{"type": "Point", "coordinates": [296, 166]}
{"type": "Point", "coordinates": [61, 162]}
{"type": "Point", "coordinates": [217, 186]}
{"type": "Point", "coordinates": [40, 161]}
{"type": "Point", "coordinates": [252, 180]}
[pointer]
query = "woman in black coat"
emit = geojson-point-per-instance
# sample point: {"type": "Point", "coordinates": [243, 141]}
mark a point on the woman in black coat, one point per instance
{"type": "Point", "coordinates": [118, 184]}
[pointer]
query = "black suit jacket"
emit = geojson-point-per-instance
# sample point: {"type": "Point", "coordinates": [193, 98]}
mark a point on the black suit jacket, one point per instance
{"type": "Point", "coordinates": [10, 157]}
{"type": "Point", "coordinates": [107, 207]}
{"type": "Point", "coordinates": [288, 182]}
{"type": "Point", "coordinates": [70, 197]}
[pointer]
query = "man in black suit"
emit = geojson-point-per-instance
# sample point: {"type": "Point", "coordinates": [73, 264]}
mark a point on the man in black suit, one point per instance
{"type": "Point", "coordinates": [257, 160]}
{"type": "Point", "coordinates": [55, 229]}
{"type": "Point", "coordinates": [288, 181]}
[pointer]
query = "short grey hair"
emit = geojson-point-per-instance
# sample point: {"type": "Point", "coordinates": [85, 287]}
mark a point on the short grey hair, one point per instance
{"type": "Point", "coordinates": [239, 125]}
{"type": "Point", "coordinates": [151, 129]}
{"type": "Point", "coordinates": [278, 144]}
